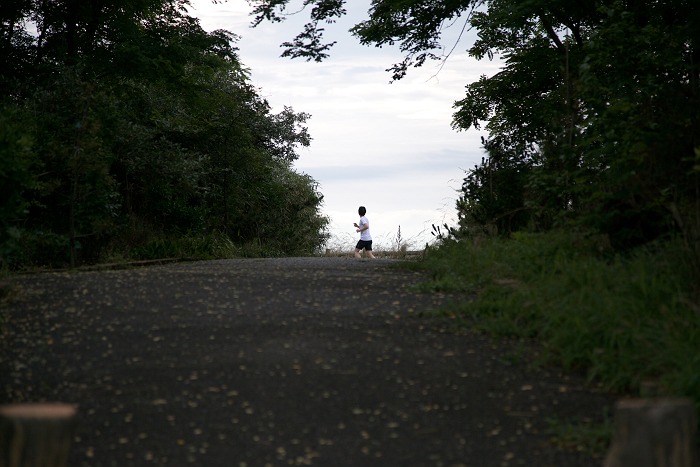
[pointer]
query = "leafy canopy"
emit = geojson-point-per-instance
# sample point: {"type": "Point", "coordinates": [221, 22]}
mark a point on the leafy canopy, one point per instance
{"type": "Point", "coordinates": [594, 108]}
{"type": "Point", "coordinates": [126, 125]}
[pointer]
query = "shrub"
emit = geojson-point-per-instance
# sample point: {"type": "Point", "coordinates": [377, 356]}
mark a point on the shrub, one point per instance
{"type": "Point", "coordinates": [621, 318]}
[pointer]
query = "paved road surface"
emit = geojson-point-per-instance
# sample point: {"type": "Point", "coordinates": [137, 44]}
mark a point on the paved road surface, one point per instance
{"type": "Point", "coordinates": [303, 361]}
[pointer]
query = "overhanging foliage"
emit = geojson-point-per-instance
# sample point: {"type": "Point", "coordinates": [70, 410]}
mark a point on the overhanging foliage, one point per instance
{"type": "Point", "coordinates": [595, 107]}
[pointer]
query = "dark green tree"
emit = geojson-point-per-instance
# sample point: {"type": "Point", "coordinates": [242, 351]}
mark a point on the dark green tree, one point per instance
{"type": "Point", "coordinates": [75, 197]}
{"type": "Point", "coordinates": [16, 163]}
{"type": "Point", "coordinates": [492, 197]}
{"type": "Point", "coordinates": [131, 124]}
{"type": "Point", "coordinates": [639, 82]}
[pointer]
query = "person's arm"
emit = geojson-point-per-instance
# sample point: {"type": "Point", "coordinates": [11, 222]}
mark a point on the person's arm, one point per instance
{"type": "Point", "coordinates": [362, 227]}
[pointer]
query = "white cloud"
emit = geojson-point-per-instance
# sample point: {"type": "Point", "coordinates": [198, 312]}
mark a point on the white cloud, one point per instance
{"type": "Point", "coordinates": [387, 146]}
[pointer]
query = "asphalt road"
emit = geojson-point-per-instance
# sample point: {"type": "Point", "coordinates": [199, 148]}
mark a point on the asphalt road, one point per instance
{"type": "Point", "coordinates": [297, 361]}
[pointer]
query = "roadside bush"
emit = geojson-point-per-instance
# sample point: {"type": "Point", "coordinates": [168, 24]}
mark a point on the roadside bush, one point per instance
{"type": "Point", "coordinates": [38, 248]}
{"type": "Point", "coordinates": [622, 318]}
{"type": "Point", "coordinates": [214, 245]}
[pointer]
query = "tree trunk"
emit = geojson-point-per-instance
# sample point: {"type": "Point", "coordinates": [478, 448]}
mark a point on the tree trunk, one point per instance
{"type": "Point", "coordinates": [654, 433]}
{"type": "Point", "coordinates": [36, 435]}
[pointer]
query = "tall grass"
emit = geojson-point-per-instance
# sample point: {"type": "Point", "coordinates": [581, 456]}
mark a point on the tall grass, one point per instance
{"type": "Point", "coordinates": [385, 244]}
{"type": "Point", "coordinates": [623, 319]}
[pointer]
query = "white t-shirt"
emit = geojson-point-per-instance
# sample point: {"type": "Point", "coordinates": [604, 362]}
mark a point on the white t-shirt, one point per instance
{"type": "Point", "coordinates": [364, 235]}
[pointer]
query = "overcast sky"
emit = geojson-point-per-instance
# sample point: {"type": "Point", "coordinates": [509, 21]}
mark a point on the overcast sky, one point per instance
{"type": "Point", "coordinates": [386, 146]}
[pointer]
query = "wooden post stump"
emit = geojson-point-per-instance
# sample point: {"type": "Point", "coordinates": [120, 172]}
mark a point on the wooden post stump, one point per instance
{"type": "Point", "coordinates": [654, 433]}
{"type": "Point", "coordinates": [36, 435]}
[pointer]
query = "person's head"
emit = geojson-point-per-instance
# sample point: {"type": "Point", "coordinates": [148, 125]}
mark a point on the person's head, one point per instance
{"type": "Point", "coordinates": [362, 211]}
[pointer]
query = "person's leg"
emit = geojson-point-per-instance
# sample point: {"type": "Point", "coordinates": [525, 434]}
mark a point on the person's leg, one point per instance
{"type": "Point", "coordinates": [357, 253]}
{"type": "Point", "coordinates": [368, 249]}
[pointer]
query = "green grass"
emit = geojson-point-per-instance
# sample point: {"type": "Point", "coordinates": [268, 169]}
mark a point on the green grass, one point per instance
{"type": "Point", "coordinates": [623, 319]}
{"type": "Point", "coordinates": [195, 246]}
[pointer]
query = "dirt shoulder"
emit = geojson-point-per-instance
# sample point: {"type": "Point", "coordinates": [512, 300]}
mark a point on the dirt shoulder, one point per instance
{"type": "Point", "coordinates": [296, 361]}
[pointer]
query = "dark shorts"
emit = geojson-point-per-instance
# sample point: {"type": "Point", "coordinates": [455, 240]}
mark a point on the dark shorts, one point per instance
{"type": "Point", "coordinates": [366, 244]}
